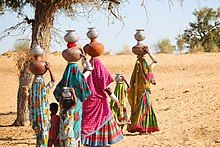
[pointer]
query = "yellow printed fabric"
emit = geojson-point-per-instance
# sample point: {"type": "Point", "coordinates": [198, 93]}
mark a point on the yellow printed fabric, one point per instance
{"type": "Point", "coordinates": [143, 118]}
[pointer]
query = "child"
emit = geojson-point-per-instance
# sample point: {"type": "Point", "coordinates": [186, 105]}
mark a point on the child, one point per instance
{"type": "Point", "coordinates": [54, 126]}
{"type": "Point", "coordinates": [120, 114]}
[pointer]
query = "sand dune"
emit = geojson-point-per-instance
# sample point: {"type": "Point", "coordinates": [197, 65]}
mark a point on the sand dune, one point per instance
{"type": "Point", "coordinates": [186, 100]}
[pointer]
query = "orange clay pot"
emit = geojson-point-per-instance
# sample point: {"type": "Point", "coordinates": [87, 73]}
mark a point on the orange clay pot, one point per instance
{"type": "Point", "coordinates": [94, 48]}
{"type": "Point", "coordinates": [138, 50]}
{"type": "Point", "coordinates": [72, 54]}
{"type": "Point", "coordinates": [38, 67]}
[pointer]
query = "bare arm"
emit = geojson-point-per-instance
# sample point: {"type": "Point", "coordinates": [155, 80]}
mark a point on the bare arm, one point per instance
{"type": "Point", "coordinates": [87, 67]}
{"type": "Point", "coordinates": [49, 69]}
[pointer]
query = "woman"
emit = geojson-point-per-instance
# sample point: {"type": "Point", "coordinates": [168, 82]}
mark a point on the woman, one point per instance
{"type": "Point", "coordinates": [73, 78]}
{"type": "Point", "coordinates": [39, 107]}
{"type": "Point", "coordinates": [98, 125]}
{"type": "Point", "coordinates": [143, 118]}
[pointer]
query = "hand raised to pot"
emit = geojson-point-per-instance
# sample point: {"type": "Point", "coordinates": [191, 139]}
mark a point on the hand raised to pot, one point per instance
{"type": "Point", "coordinates": [145, 48]}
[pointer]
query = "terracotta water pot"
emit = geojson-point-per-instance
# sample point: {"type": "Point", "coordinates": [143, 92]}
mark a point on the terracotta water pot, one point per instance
{"type": "Point", "coordinates": [72, 54]}
{"type": "Point", "coordinates": [138, 50]}
{"type": "Point", "coordinates": [94, 48]}
{"type": "Point", "coordinates": [38, 67]}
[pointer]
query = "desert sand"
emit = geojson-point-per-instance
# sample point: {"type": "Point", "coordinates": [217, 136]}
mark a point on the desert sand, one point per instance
{"type": "Point", "coordinates": [186, 100]}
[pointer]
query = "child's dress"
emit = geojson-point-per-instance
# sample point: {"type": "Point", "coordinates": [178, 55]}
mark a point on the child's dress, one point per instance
{"type": "Point", "coordinates": [39, 109]}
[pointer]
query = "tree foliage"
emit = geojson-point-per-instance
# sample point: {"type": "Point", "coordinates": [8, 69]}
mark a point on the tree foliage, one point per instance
{"type": "Point", "coordinates": [164, 46]}
{"type": "Point", "coordinates": [203, 33]}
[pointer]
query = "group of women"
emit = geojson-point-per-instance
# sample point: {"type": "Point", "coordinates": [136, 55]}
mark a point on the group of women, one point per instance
{"type": "Point", "coordinates": [87, 119]}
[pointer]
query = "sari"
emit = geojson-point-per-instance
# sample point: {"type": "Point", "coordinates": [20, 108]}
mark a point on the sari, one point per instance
{"type": "Point", "coordinates": [143, 118]}
{"type": "Point", "coordinates": [71, 124]}
{"type": "Point", "coordinates": [39, 109]}
{"type": "Point", "coordinates": [98, 125]}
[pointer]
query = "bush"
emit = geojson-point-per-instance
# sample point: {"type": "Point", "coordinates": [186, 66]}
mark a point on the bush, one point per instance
{"type": "Point", "coordinates": [22, 49]}
{"type": "Point", "coordinates": [164, 46]}
{"type": "Point", "coordinates": [125, 51]}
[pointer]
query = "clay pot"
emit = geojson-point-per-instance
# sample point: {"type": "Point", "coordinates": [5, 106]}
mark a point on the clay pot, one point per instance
{"type": "Point", "coordinates": [72, 54]}
{"type": "Point", "coordinates": [38, 67]}
{"type": "Point", "coordinates": [94, 49]}
{"type": "Point", "coordinates": [138, 50]}
{"type": "Point", "coordinates": [71, 36]}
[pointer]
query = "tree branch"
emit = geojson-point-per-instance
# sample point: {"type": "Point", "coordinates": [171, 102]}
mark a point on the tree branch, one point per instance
{"type": "Point", "coordinates": [9, 31]}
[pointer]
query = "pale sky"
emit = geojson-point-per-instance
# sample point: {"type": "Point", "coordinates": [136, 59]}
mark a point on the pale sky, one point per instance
{"type": "Point", "coordinates": [161, 22]}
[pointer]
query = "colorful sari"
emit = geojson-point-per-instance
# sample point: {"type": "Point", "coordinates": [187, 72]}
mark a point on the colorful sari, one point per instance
{"type": "Point", "coordinates": [98, 126]}
{"type": "Point", "coordinates": [143, 118]}
{"type": "Point", "coordinates": [120, 115]}
{"type": "Point", "coordinates": [39, 109]}
{"type": "Point", "coordinates": [72, 77]}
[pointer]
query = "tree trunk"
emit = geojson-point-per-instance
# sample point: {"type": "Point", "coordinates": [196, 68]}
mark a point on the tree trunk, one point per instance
{"type": "Point", "coordinates": [43, 24]}
{"type": "Point", "coordinates": [41, 34]}
{"type": "Point", "coordinates": [25, 80]}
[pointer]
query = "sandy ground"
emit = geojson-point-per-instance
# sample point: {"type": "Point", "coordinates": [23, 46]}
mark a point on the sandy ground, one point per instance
{"type": "Point", "coordinates": [186, 100]}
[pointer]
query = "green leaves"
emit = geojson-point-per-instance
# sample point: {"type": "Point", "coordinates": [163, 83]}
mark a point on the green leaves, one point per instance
{"type": "Point", "coordinates": [203, 33]}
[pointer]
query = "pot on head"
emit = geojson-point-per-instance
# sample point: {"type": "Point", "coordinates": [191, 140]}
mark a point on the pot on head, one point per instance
{"type": "Point", "coordinates": [36, 50]}
{"type": "Point", "coordinates": [94, 48]}
{"type": "Point", "coordinates": [37, 66]}
{"type": "Point", "coordinates": [138, 49]}
{"type": "Point", "coordinates": [72, 54]}
{"type": "Point", "coordinates": [71, 36]}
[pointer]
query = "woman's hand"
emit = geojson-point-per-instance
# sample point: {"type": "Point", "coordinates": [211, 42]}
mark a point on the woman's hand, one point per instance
{"type": "Point", "coordinates": [145, 48]}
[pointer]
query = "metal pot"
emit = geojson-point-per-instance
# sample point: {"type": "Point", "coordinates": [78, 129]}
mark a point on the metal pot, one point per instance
{"type": "Point", "coordinates": [92, 33]}
{"type": "Point", "coordinates": [66, 93]}
{"type": "Point", "coordinates": [139, 36]}
{"type": "Point", "coordinates": [36, 50]}
{"type": "Point", "coordinates": [71, 36]}
{"type": "Point", "coordinates": [118, 78]}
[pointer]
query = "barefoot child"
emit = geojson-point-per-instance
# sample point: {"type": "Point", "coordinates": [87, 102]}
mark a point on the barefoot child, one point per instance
{"type": "Point", "coordinates": [54, 126]}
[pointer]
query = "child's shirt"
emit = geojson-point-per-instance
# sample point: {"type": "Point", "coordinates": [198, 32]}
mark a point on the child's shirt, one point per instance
{"type": "Point", "coordinates": [54, 128]}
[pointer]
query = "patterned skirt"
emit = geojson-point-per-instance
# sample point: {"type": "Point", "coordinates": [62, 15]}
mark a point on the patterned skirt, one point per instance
{"type": "Point", "coordinates": [108, 134]}
{"type": "Point", "coordinates": [147, 122]}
